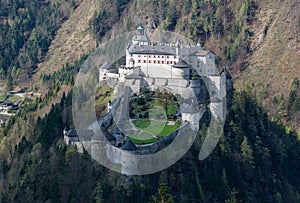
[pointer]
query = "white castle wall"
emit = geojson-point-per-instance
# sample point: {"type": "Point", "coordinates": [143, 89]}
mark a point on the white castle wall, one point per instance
{"type": "Point", "coordinates": [210, 64]}
{"type": "Point", "coordinates": [112, 75]}
{"type": "Point", "coordinates": [180, 73]}
{"type": "Point", "coordinates": [134, 84]}
{"type": "Point", "coordinates": [102, 74]}
{"type": "Point", "coordinates": [125, 70]}
{"type": "Point", "coordinates": [217, 86]}
{"type": "Point", "coordinates": [205, 64]}
{"type": "Point", "coordinates": [153, 65]}
{"type": "Point", "coordinates": [193, 118]}
{"type": "Point", "coordinates": [129, 160]}
{"type": "Point", "coordinates": [160, 82]}
{"type": "Point", "coordinates": [198, 63]}
{"type": "Point", "coordinates": [178, 82]}
{"type": "Point", "coordinates": [217, 110]}
{"type": "Point", "coordinates": [160, 71]}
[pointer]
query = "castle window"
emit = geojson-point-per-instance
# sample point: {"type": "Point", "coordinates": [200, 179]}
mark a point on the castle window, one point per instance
{"type": "Point", "coordinates": [167, 57]}
{"type": "Point", "coordinates": [149, 61]}
{"type": "Point", "coordinates": [162, 62]}
{"type": "Point", "coordinates": [139, 55]}
{"type": "Point", "coordinates": [139, 61]}
{"type": "Point", "coordinates": [174, 57]}
{"type": "Point", "coordinates": [145, 56]}
{"type": "Point", "coordinates": [145, 61]}
{"type": "Point", "coordinates": [158, 56]}
{"type": "Point", "coordinates": [149, 56]}
{"type": "Point", "coordinates": [154, 61]}
{"type": "Point", "coordinates": [154, 56]}
{"type": "Point", "coordinates": [162, 56]}
{"type": "Point", "coordinates": [158, 61]}
{"type": "Point", "coordinates": [167, 62]}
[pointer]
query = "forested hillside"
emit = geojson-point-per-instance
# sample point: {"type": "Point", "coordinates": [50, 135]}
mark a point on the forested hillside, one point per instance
{"type": "Point", "coordinates": [27, 30]}
{"type": "Point", "coordinates": [43, 44]}
{"type": "Point", "coordinates": [256, 160]}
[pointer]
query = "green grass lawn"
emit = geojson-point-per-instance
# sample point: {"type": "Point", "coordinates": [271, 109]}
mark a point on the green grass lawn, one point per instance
{"type": "Point", "coordinates": [14, 98]}
{"type": "Point", "coordinates": [172, 109]}
{"type": "Point", "coordinates": [143, 138]}
{"type": "Point", "coordinates": [142, 124]}
{"type": "Point", "coordinates": [153, 126]}
{"type": "Point", "coordinates": [168, 129]}
{"type": "Point", "coordinates": [156, 127]}
{"type": "Point", "coordinates": [103, 95]}
{"type": "Point", "coordinates": [2, 97]}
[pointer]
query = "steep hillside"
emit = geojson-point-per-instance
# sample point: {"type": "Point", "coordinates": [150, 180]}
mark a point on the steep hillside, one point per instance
{"type": "Point", "coordinates": [71, 41]}
{"type": "Point", "coordinates": [275, 52]}
{"type": "Point", "coordinates": [255, 161]}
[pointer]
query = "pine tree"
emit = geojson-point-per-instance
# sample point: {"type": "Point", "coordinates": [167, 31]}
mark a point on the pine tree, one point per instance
{"type": "Point", "coordinates": [164, 195]}
{"type": "Point", "coordinates": [247, 151]}
{"type": "Point", "coordinates": [233, 197]}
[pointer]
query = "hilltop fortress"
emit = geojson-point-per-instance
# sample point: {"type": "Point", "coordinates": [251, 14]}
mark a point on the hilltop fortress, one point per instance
{"type": "Point", "coordinates": [177, 67]}
{"type": "Point", "coordinates": [186, 71]}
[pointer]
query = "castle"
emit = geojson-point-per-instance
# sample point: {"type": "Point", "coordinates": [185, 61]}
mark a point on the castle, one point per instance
{"type": "Point", "coordinates": [176, 67]}
{"type": "Point", "coordinates": [184, 70]}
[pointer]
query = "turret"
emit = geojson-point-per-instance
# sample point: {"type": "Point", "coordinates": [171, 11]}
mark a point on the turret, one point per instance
{"type": "Point", "coordinates": [141, 30]}
{"type": "Point", "coordinates": [65, 131]}
{"type": "Point", "coordinates": [141, 38]}
{"type": "Point", "coordinates": [226, 79]}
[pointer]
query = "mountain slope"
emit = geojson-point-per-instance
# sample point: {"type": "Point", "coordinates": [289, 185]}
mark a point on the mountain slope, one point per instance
{"type": "Point", "coordinates": [275, 58]}
{"type": "Point", "coordinates": [72, 40]}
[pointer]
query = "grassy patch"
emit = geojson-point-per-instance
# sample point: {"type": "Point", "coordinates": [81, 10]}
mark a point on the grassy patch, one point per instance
{"type": "Point", "coordinates": [142, 124]}
{"type": "Point", "coordinates": [153, 126]}
{"type": "Point", "coordinates": [14, 98]}
{"type": "Point", "coordinates": [2, 97]}
{"type": "Point", "coordinates": [103, 95]}
{"type": "Point", "coordinates": [156, 127]}
{"type": "Point", "coordinates": [172, 109]}
{"type": "Point", "coordinates": [168, 129]}
{"type": "Point", "coordinates": [143, 138]}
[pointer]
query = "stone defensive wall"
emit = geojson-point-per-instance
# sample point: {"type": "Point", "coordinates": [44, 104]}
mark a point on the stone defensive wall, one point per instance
{"type": "Point", "coordinates": [130, 161]}
{"type": "Point", "coordinates": [160, 144]}
{"type": "Point", "coordinates": [106, 121]}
